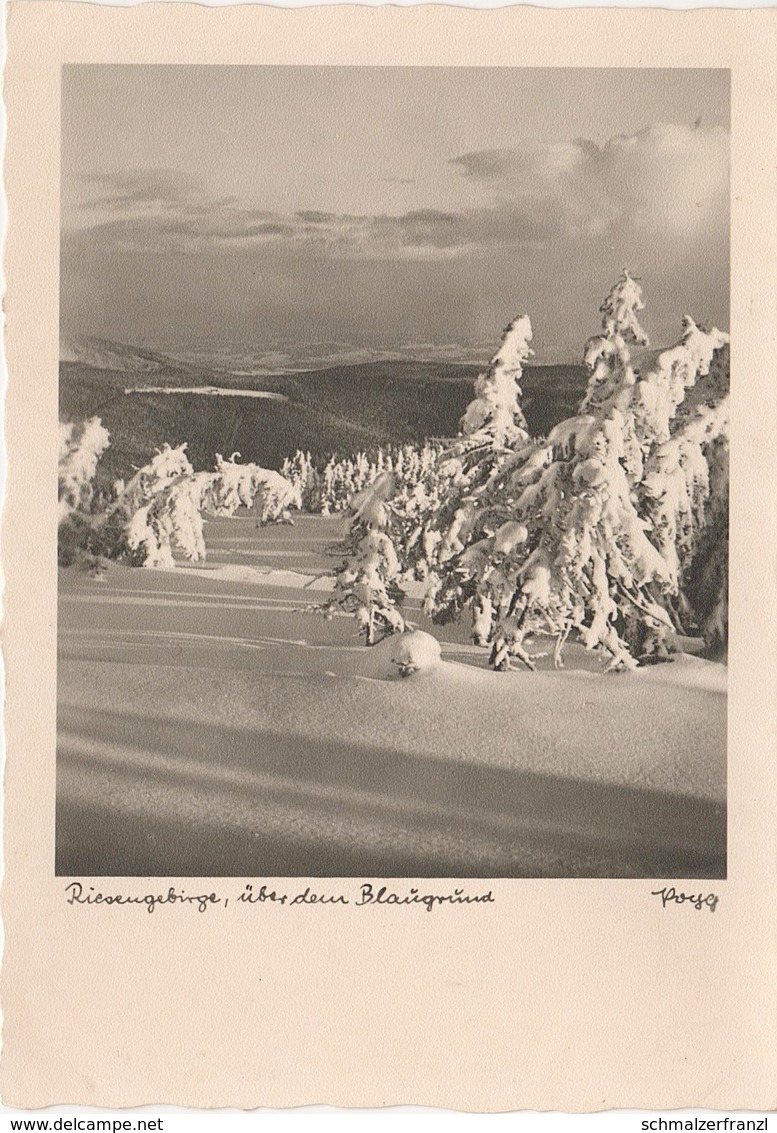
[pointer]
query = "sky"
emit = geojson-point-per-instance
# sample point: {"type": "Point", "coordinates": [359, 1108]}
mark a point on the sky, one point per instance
{"type": "Point", "coordinates": [245, 207]}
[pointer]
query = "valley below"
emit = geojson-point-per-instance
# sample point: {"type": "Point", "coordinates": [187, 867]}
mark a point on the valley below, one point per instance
{"type": "Point", "coordinates": [146, 400]}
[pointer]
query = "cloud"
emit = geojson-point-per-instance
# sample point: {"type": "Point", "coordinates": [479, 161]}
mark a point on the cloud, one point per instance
{"type": "Point", "coordinates": [161, 211]}
{"type": "Point", "coordinates": [665, 177]}
{"type": "Point", "coordinates": [157, 218]}
{"type": "Point", "coordinates": [666, 180]}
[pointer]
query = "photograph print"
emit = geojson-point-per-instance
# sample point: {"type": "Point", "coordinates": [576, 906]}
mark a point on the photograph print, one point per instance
{"type": "Point", "coordinates": [393, 472]}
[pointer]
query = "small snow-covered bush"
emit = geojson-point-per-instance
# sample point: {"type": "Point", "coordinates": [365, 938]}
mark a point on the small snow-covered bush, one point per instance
{"type": "Point", "coordinates": [415, 652]}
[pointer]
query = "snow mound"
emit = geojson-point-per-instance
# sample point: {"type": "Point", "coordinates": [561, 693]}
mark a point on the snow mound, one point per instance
{"type": "Point", "coordinates": [397, 655]}
{"type": "Point", "coordinates": [688, 672]}
{"type": "Point", "coordinates": [414, 652]}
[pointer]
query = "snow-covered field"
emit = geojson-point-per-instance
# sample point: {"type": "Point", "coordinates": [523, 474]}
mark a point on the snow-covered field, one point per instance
{"type": "Point", "coordinates": [212, 722]}
{"type": "Point", "coordinates": [208, 391]}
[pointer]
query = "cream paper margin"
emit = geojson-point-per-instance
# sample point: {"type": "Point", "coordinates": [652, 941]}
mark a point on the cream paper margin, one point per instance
{"type": "Point", "coordinates": [566, 994]}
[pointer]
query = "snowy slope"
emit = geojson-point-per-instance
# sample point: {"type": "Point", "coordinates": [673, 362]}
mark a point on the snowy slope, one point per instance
{"type": "Point", "coordinates": [215, 727]}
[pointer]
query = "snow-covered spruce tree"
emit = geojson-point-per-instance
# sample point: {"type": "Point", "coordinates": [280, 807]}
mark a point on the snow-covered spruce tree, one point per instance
{"type": "Point", "coordinates": [302, 475]}
{"type": "Point", "coordinates": [676, 482]}
{"type": "Point", "coordinates": [328, 478]}
{"type": "Point", "coordinates": [158, 507]}
{"type": "Point", "coordinates": [418, 496]}
{"type": "Point", "coordinates": [705, 581]}
{"type": "Point", "coordinates": [80, 448]}
{"type": "Point", "coordinates": [340, 479]}
{"type": "Point", "coordinates": [269, 494]}
{"type": "Point", "coordinates": [170, 512]}
{"type": "Point", "coordinates": [172, 519]}
{"type": "Point", "coordinates": [162, 506]}
{"type": "Point", "coordinates": [579, 550]}
{"type": "Point", "coordinates": [166, 466]}
{"type": "Point", "coordinates": [495, 416]}
{"type": "Point", "coordinates": [694, 465]}
{"type": "Point", "coordinates": [465, 508]}
{"type": "Point", "coordinates": [367, 584]}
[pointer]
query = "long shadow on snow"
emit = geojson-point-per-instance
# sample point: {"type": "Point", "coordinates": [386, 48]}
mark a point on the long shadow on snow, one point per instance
{"type": "Point", "coordinates": [153, 797]}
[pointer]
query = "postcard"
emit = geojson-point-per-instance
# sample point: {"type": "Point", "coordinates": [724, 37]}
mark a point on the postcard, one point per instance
{"type": "Point", "coordinates": [388, 552]}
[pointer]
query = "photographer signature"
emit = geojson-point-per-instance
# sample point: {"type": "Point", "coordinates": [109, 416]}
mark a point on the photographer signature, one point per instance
{"type": "Point", "coordinates": [669, 895]}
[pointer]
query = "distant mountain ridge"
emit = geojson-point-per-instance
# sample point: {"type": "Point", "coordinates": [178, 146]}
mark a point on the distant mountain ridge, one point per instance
{"type": "Point", "coordinates": [105, 355]}
{"type": "Point", "coordinates": [275, 358]}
